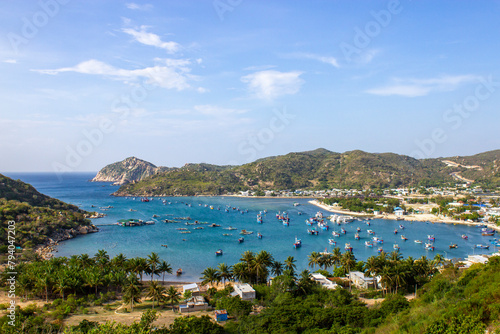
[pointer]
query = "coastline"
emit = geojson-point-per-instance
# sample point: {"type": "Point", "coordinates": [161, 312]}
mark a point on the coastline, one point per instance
{"type": "Point", "coordinates": [421, 217]}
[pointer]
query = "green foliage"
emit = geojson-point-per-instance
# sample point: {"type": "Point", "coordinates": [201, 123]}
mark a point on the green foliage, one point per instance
{"type": "Point", "coordinates": [234, 306]}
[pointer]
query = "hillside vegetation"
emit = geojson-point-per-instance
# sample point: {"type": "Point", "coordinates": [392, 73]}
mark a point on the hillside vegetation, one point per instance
{"type": "Point", "coordinates": [37, 217]}
{"type": "Point", "coordinates": [315, 170]}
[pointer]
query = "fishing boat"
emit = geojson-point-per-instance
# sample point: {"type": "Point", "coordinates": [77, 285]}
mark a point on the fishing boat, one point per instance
{"type": "Point", "coordinates": [487, 232]}
{"type": "Point", "coordinates": [396, 231]}
{"type": "Point", "coordinates": [401, 227]}
{"type": "Point", "coordinates": [296, 204]}
{"type": "Point", "coordinates": [323, 226]}
{"type": "Point", "coordinates": [286, 223]}
{"type": "Point", "coordinates": [245, 232]}
{"type": "Point", "coordinates": [309, 222]}
{"type": "Point", "coordinates": [319, 214]}
{"type": "Point", "coordinates": [342, 230]}
{"type": "Point", "coordinates": [431, 238]}
{"type": "Point", "coordinates": [370, 232]}
{"type": "Point", "coordinates": [348, 247]}
{"type": "Point", "coordinates": [332, 242]}
{"type": "Point", "coordinates": [240, 240]}
{"type": "Point", "coordinates": [358, 229]}
{"type": "Point", "coordinates": [465, 237]}
{"type": "Point", "coordinates": [144, 199]}
{"type": "Point", "coordinates": [368, 223]}
{"type": "Point", "coordinates": [312, 231]}
{"type": "Point", "coordinates": [429, 247]}
{"type": "Point", "coordinates": [226, 234]}
{"type": "Point", "coordinates": [356, 236]}
{"type": "Point", "coordinates": [166, 246]}
{"type": "Point", "coordinates": [218, 252]}
{"type": "Point", "coordinates": [368, 244]}
{"type": "Point", "coordinates": [230, 228]}
{"type": "Point", "coordinates": [418, 241]}
{"type": "Point", "coordinates": [259, 235]}
{"type": "Point", "coordinates": [179, 271]}
{"type": "Point", "coordinates": [380, 249]}
{"type": "Point", "coordinates": [335, 234]}
{"type": "Point", "coordinates": [378, 240]}
{"type": "Point", "coordinates": [299, 213]}
{"type": "Point", "coordinates": [395, 246]}
{"type": "Point", "coordinates": [259, 219]}
{"type": "Point", "coordinates": [297, 243]}
{"type": "Point", "coordinates": [404, 238]}
{"type": "Point", "coordinates": [453, 246]}
{"type": "Point", "coordinates": [482, 246]}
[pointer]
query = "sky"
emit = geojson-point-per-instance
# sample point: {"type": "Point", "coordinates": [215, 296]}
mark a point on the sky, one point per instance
{"type": "Point", "coordinates": [88, 83]}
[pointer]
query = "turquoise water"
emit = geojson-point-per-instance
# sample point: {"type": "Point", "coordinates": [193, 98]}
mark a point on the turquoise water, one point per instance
{"type": "Point", "coordinates": [195, 251]}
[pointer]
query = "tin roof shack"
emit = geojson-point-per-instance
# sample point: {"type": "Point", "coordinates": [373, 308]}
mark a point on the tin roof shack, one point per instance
{"type": "Point", "coordinates": [220, 315]}
{"type": "Point", "coordinates": [361, 281]}
{"type": "Point", "coordinates": [325, 282]}
{"type": "Point", "coordinates": [194, 288]}
{"type": "Point", "coordinates": [245, 291]}
{"type": "Point", "coordinates": [196, 303]}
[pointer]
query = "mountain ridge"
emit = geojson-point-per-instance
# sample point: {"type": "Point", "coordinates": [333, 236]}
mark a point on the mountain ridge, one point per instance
{"type": "Point", "coordinates": [316, 169]}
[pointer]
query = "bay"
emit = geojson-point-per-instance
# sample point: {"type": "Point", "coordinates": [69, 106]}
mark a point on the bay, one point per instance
{"type": "Point", "coordinates": [195, 251]}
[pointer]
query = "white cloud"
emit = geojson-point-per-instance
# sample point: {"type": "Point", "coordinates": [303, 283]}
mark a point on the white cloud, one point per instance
{"type": "Point", "coordinates": [216, 111]}
{"type": "Point", "coordinates": [271, 84]}
{"type": "Point", "coordinates": [148, 38]}
{"type": "Point", "coordinates": [135, 6]}
{"type": "Point", "coordinates": [10, 61]}
{"type": "Point", "coordinates": [422, 87]}
{"type": "Point", "coordinates": [324, 59]}
{"type": "Point", "coordinates": [173, 76]}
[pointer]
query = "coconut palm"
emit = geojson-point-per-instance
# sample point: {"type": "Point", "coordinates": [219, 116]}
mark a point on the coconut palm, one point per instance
{"type": "Point", "coordinates": [164, 267]}
{"type": "Point", "coordinates": [93, 278]}
{"type": "Point", "coordinates": [262, 260]}
{"type": "Point", "coordinates": [210, 276]}
{"type": "Point", "coordinates": [290, 264]}
{"type": "Point", "coordinates": [138, 266]}
{"type": "Point", "coordinates": [240, 272]}
{"type": "Point", "coordinates": [62, 283]}
{"type": "Point", "coordinates": [156, 292]}
{"type": "Point", "coordinates": [101, 258]}
{"type": "Point", "coordinates": [348, 261]}
{"type": "Point", "coordinates": [305, 283]}
{"type": "Point", "coordinates": [172, 296]}
{"type": "Point", "coordinates": [395, 256]}
{"type": "Point", "coordinates": [132, 292]}
{"type": "Point", "coordinates": [224, 272]}
{"type": "Point", "coordinates": [314, 259]}
{"type": "Point", "coordinates": [119, 261]}
{"type": "Point", "coordinates": [399, 275]}
{"type": "Point", "coordinates": [153, 262]}
{"type": "Point", "coordinates": [372, 266]}
{"type": "Point", "coordinates": [336, 256]}
{"type": "Point", "coordinates": [386, 277]}
{"type": "Point", "coordinates": [277, 268]}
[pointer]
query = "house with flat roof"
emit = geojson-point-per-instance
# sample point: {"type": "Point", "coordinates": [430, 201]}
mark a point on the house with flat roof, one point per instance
{"type": "Point", "coordinates": [359, 280]}
{"type": "Point", "coordinates": [245, 291]}
{"type": "Point", "coordinates": [325, 282]}
{"type": "Point", "coordinates": [196, 303]}
{"type": "Point", "coordinates": [194, 288]}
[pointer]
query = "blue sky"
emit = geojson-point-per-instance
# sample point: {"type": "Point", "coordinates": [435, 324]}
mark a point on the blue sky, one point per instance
{"type": "Point", "coordinates": [84, 84]}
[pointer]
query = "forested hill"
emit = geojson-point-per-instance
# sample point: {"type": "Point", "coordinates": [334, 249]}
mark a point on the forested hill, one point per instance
{"type": "Point", "coordinates": [318, 169]}
{"type": "Point", "coordinates": [37, 217]}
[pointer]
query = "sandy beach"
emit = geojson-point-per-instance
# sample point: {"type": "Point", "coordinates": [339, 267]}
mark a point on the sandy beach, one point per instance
{"type": "Point", "coordinates": [423, 217]}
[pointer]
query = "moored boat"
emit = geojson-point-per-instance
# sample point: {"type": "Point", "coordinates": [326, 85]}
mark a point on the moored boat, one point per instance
{"type": "Point", "coordinates": [404, 238]}
{"type": "Point", "coordinates": [348, 247]}
{"type": "Point", "coordinates": [179, 271]}
{"type": "Point", "coordinates": [332, 242]}
{"type": "Point", "coordinates": [465, 237]}
{"type": "Point", "coordinates": [335, 234]}
{"type": "Point", "coordinates": [418, 241]}
{"type": "Point", "coordinates": [259, 235]}
{"type": "Point", "coordinates": [356, 236]}
{"type": "Point", "coordinates": [378, 240]}
{"type": "Point", "coordinates": [368, 244]}
{"type": "Point", "coordinates": [429, 247]}
{"type": "Point", "coordinates": [240, 240]}
{"type": "Point", "coordinates": [395, 246]}
{"type": "Point", "coordinates": [431, 238]}
{"type": "Point", "coordinates": [297, 243]}
{"type": "Point", "coordinates": [218, 252]}
{"type": "Point", "coordinates": [482, 246]}
{"type": "Point", "coordinates": [453, 246]}
{"type": "Point", "coordinates": [380, 250]}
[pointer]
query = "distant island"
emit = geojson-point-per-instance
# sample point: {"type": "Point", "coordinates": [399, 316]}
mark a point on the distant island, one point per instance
{"type": "Point", "coordinates": [312, 170]}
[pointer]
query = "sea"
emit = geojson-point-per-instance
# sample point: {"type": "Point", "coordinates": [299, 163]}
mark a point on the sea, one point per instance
{"type": "Point", "coordinates": [195, 251]}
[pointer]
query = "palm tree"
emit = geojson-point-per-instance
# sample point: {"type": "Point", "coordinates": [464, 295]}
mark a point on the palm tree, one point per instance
{"type": "Point", "coordinates": [85, 260]}
{"type": "Point", "coordinates": [93, 278]}
{"type": "Point", "coordinates": [438, 260]}
{"type": "Point", "coordinates": [314, 259]}
{"type": "Point", "coordinates": [224, 272]}
{"type": "Point", "coordinates": [101, 258]}
{"type": "Point", "coordinates": [138, 266]}
{"type": "Point", "coordinates": [348, 261]}
{"type": "Point", "coordinates": [153, 262]}
{"type": "Point", "coordinates": [240, 272]}
{"type": "Point", "coordinates": [277, 268]}
{"type": "Point", "coordinates": [156, 292]}
{"type": "Point", "coordinates": [262, 260]}
{"type": "Point", "coordinates": [372, 265]}
{"type": "Point", "coordinates": [395, 256]}
{"type": "Point", "coordinates": [385, 277]}
{"type": "Point", "coordinates": [210, 275]}
{"type": "Point", "coordinates": [305, 283]}
{"type": "Point", "coordinates": [173, 296]}
{"type": "Point", "coordinates": [132, 291]}
{"type": "Point", "coordinates": [290, 264]}
{"type": "Point", "coordinates": [164, 267]}
{"type": "Point", "coordinates": [336, 256]}
{"type": "Point", "coordinates": [63, 283]}
{"type": "Point", "coordinates": [248, 257]}
{"type": "Point", "coordinates": [399, 275]}
{"type": "Point", "coordinates": [119, 261]}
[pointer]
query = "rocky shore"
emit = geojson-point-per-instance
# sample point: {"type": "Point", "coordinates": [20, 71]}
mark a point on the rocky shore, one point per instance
{"type": "Point", "coordinates": [45, 251]}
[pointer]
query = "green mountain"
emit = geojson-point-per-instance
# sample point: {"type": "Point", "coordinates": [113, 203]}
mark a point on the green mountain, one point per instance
{"type": "Point", "coordinates": [37, 217]}
{"type": "Point", "coordinates": [318, 169]}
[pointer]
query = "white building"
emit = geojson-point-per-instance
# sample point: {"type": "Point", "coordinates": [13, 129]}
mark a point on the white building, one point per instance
{"type": "Point", "coordinates": [194, 288]}
{"type": "Point", "coordinates": [325, 282]}
{"type": "Point", "coordinates": [361, 281]}
{"type": "Point", "coordinates": [196, 303]}
{"type": "Point", "coordinates": [245, 291]}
